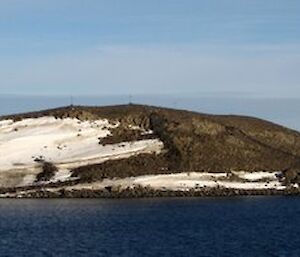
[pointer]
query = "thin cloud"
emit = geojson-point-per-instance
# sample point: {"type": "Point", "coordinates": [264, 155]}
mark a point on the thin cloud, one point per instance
{"type": "Point", "coordinates": [124, 69]}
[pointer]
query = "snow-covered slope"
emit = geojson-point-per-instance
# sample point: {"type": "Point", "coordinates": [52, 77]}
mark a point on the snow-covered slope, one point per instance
{"type": "Point", "coordinates": [193, 180]}
{"type": "Point", "coordinates": [67, 143]}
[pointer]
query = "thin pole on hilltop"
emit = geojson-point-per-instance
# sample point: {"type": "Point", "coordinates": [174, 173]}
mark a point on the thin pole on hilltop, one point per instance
{"type": "Point", "coordinates": [130, 99]}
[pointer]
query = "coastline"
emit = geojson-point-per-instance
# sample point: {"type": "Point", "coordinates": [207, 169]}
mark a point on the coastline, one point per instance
{"type": "Point", "coordinates": [145, 192]}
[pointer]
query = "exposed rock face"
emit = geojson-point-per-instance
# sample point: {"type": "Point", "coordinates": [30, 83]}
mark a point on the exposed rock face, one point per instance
{"type": "Point", "coordinates": [192, 142]}
{"type": "Point", "coordinates": [48, 172]}
{"type": "Point", "coordinates": [291, 176]}
{"type": "Point", "coordinates": [144, 192]}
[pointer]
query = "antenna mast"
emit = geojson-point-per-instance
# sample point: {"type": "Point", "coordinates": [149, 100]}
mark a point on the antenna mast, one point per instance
{"type": "Point", "coordinates": [130, 99]}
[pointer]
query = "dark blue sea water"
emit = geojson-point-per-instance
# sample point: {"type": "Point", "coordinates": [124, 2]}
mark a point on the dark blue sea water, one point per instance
{"type": "Point", "coordinates": [247, 226]}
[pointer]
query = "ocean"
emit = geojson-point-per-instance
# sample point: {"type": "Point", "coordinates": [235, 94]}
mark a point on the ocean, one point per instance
{"type": "Point", "coordinates": [239, 226]}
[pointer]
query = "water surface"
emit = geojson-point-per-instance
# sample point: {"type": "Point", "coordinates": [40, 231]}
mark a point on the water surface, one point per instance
{"type": "Point", "coordinates": [241, 226]}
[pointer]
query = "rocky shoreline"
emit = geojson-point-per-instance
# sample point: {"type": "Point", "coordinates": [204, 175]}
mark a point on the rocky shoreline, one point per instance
{"type": "Point", "coordinates": [144, 192]}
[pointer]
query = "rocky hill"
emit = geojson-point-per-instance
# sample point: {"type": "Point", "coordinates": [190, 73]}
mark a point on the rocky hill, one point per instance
{"type": "Point", "coordinates": [177, 141]}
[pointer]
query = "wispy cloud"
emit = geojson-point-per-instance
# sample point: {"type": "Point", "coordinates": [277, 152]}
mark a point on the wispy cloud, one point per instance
{"type": "Point", "coordinates": [156, 69]}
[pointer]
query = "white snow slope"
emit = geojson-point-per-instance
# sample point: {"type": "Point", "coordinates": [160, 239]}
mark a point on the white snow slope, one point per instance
{"type": "Point", "coordinates": [67, 143]}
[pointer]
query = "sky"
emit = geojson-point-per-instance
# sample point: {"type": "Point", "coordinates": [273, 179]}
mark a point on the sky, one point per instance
{"type": "Point", "coordinates": [183, 47]}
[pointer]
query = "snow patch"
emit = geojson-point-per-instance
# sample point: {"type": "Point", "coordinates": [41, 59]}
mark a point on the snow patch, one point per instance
{"type": "Point", "coordinates": [182, 182]}
{"type": "Point", "coordinates": [255, 176]}
{"type": "Point", "coordinates": [27, 180]}
{"type": "Point", "coordinates": [62, 175]}
{"type": "Point", "coordinates": [67, 143]}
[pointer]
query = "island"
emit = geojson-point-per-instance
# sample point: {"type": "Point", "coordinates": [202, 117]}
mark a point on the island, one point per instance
{"type": "Point", "coordinates": [144, 151]}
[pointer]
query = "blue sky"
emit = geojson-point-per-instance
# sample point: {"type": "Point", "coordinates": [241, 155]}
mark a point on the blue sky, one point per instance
{"type": "Point", "coordinates": [96, 47]}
